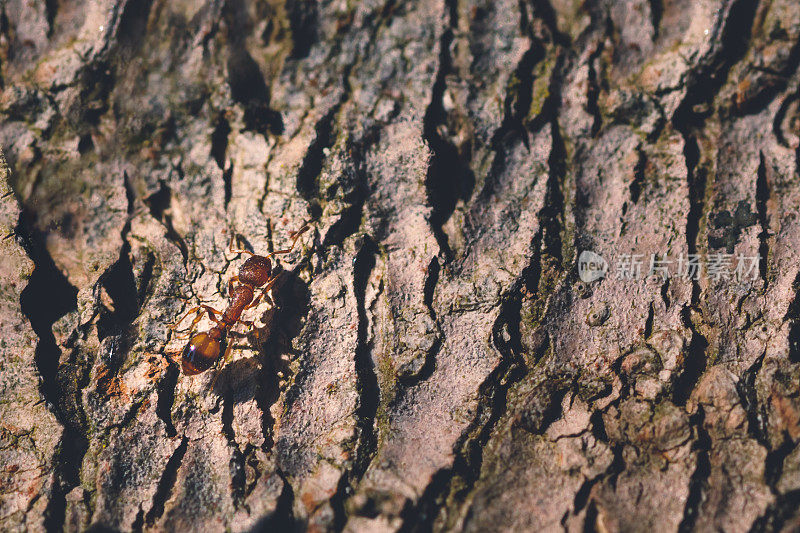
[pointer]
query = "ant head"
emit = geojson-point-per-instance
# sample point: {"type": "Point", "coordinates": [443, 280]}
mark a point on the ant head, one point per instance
{"type": "Point", "coordinates": [255, 271]}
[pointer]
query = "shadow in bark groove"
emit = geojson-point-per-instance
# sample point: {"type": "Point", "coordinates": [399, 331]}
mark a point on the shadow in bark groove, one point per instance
{"type": "Point", "coordinates": [282, 519]}
{"type": "Point", "coordinates": [132, 25]}
{"type": "Point", "coordinates": [166, 397]}
{"type": "Point", "coordinates": [367, 383]}
{"type": "Point", "coordinates": [48, 297]}
{"type": "Point", "coordinates": [777, 514]}
{"type": "Point", "coordinates": [449, 177]}
{"type": "Point", "coordinates": [158, 203]}
{"type": "Point", "coordinates": [245, 79]}
{"type": "Point", "coordinates": [420, 516]}
{"type": "Point", "coordinates": [167, 482]}
{"type": "Point", "coordinates": [425, 372]}
{"type": "Point", "coordinates": [699, 480]}
{"type": "Point", "coordinates": [303, 22]}
{"type": "Point", "coordinates": [762, 197]}
{"type": "Point", "coordinates": [493, 391]}
{"type": "Point", "coordinates": [293, 300]}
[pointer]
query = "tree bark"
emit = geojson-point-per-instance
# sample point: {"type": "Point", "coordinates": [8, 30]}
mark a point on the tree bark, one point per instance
{"type": "Point", "coordinates": [433, 359]}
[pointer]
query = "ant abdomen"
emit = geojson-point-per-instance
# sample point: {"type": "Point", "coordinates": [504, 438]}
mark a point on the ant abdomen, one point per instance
{"type": "Point", "coordinates": [201, 352]}
{"type": "Point", "coordinates": [255, 271]}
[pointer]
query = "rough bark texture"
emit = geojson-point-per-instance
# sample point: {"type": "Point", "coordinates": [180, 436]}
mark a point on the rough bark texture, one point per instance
{"type": "Point", "coordinates": [433, 360]}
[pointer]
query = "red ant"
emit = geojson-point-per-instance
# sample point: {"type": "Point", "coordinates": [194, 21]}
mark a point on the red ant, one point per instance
{"type": "Point", "coordinates": [203, 349]}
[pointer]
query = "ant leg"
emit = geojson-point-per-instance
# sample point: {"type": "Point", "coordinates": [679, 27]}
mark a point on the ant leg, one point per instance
{"type": "Point", "coordinates": [230, 284]}
{"type": "Point", "coordinates": [239, 251]}
{"type": "Point", "coordinates": [198, 312]}
{"type": "Point", "coordinates": [190, 331]}
{"type": "Point", "coordinates": [173, 359]}
{"type": "Point", "coordinates": [267, 288]}
{"type": "Point", "coordinates": [306, 225]}
{"type": "Point", "coordinates": [248, 324]}
{"type": "Point", "coordinates": [254, 331]}
{"type": "Point", "coordinates": [212, 314]}
{"type": "Point", "coordinates": [224, 360]}
{"type": "Point", "coordinates": [263, 294]}
{"type": "Point", "coordinates": [236, 333]}
{"type": "Point", "coordinates": [193, 310]}
{"type": "Point", "coordinates": [254, 302]}
{"type": "Point", "coordinates": [294, 236]}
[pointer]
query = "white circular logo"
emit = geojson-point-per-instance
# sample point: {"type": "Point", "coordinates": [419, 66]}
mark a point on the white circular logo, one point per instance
{"type": "Point", "coordinates": [591, 266]}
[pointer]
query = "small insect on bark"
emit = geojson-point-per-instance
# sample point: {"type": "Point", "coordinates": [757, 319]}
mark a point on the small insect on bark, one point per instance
{"type": "Point", "coordinates": [203, 349]}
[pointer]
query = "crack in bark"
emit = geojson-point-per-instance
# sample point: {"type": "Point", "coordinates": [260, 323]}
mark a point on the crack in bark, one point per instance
{"type": "Point", "coordinates": [62, 383]}
{"type": "Point", "coordinates": [702, 86]}
{"type": "Point", "coordinates": [762, 197]}
{"type": "Point", "coordinates": [773, 464]}
{"type": "Point", "coordinates": [699, 480]}
{"type": "Point", "coordinates": [367, 383]}
{"type": "Point", "coordinates": [219, 148]}
{"type": "Point", "coordinates": [734, 27]}
{"type": "Point", "coordinates": [158, 203]}
{"type": "Point", "coordinates": [449, 178]}
{"type": "Point", "coordinates": [282, 518]}
{"type": "Point", "coordinates": [132, 24]}
{"type": "Point", "coordinates": [238, 462]}
{"type": "Point", "coordinates": [308, 175]}
{"type": "Point", "coordinates": [246, 82]}
{"type": "Point", "coordinates": [47, 298]}
{"type": "Point", "coordinates": [303, 22]}
{"type": "Point", "coordinates": [777, 123]}
{"type": "Point", "coordinates": [648, 323]}
{"type": "Point", "coordinates": [514, 126]}
{"type": "Point", "coordinates": [582, 496]}
{"type": "Point", "coordinates": [695, 362]}
{"type": "Point", "coordinates": [119, 284]}
{"type": "Point", "coordinates": [458, 480]}
{"type": "Point", "coordinates": [166, 397]}
{"type": "Point", "coordinates": [775, 517]}
{"type": "Point", "coordinates": [793, 317]}
{"type": "Point", "coordinates": [307, 182]}
{"type": "Point", "coordinates": [356, 189]}
{"type": "Point", "coordinates": [491, 406]}
{"type": "Point", "coordinates": [51, 11]}
{"type": "Point", "coordinates": [544, 11]}
{"type": "Point", "coordinates": [425, 372]}
{"type": "Point", "coordinates": [779, 80]}
{"type": "Point", "coordinates": [656, 13]}
{"type": "Point", "coordinates": [138, 521]}
{"type": "Point", "coordinates": [166, 483]}
{"type": "Point", "coordinates": [593, 90]}
{"type": "Point", "coordinates": [518, 103]}
{"type": "Point", "coordinates": [638, 181]}
{"type": "Point", "coordinates": [749, 397]}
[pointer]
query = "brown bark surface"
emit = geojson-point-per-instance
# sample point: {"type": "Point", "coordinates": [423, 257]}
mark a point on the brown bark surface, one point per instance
{"type": "Point", "coordinates": [433, 360]}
